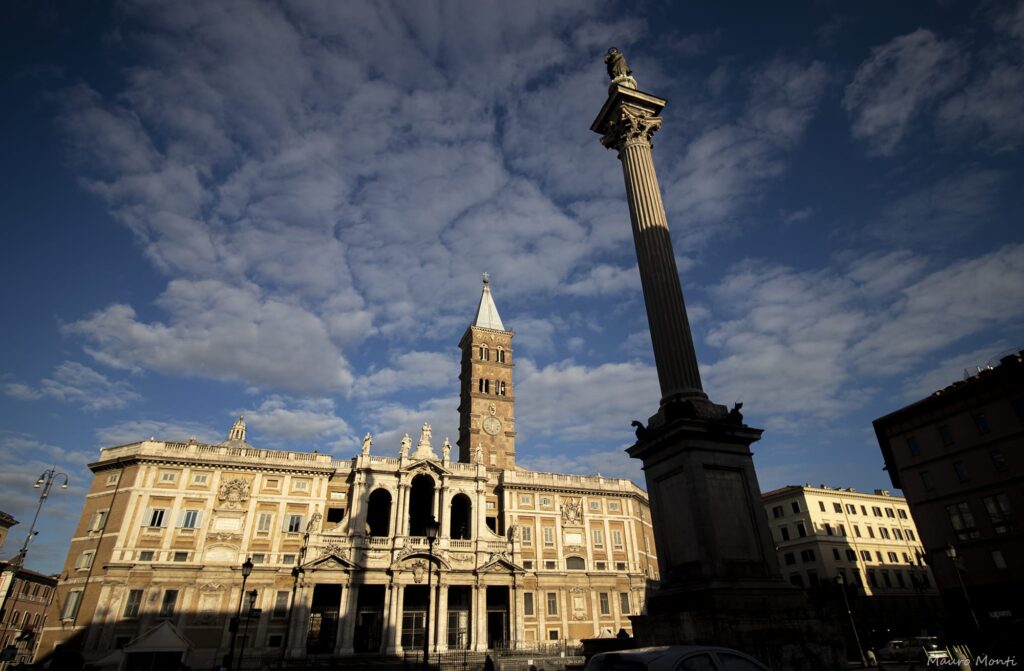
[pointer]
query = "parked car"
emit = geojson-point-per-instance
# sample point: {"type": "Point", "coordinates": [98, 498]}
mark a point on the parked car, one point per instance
{"type": "Point", "coordinates": [888, 651]}
{"type": "Point", "coordinates": [675, 658]}
{"type": "Point", "coordinates": [920, 649]}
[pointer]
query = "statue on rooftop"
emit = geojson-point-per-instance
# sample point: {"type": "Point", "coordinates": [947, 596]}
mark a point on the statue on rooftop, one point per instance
{"type": "Point", "coordinates": [406, 444]}
{"type": "Point", "coordinates": [367, 442]}
{"type": "Point", "coordinates": [446, 449]}
{"type": "Point", "coordinates": [425, 434]}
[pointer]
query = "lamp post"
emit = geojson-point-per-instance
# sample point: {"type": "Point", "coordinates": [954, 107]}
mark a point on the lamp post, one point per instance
{"type": "Point", "coordinates": [853, 625]}
{"type": "Point", "coordinates": [431, 530]}
{"type": "Point", "coordinates": [951, 553]}
{"type": "Point", "coordinates": [45, 481]}
{"type": "Point", "coordinates": [245, 634]}
{"type": "Point", "coordinates": [233, 626]}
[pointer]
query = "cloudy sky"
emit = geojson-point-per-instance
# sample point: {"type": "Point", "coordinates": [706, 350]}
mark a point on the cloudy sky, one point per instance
{"type": "Point", "coordinates": [285, 210]}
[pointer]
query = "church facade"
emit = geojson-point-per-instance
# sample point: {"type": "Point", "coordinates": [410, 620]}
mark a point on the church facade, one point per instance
{"type": "Point", "coordinates": [341, 559]}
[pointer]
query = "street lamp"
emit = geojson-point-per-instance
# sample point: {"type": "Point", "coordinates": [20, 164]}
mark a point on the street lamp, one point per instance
{"type": "Point", "coordinates": [951, 553]}
{"type": "Point", "coordinates": [853, 625]}
{"type": "Point", "coordinates": [233, 626]}
{"type": "Point", "coordinates": [431, 530]}
{"type": "Point", "coordinates": [248, 617]}
{"type": "Point", "coordinates": [45, 481]}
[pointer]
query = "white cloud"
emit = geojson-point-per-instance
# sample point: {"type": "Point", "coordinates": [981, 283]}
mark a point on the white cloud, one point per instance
{"type": "Point", "coordinates": [135, 430]}
{"type": "Point", "coordinates": [304, 420]}
{"type": "Point", "coordinates": [220, 331]}
{"type": "Point", "coordinates": [614, 463]}
{"type": "Point", "coordinates": [390, 421]}
{"type": "Point", "coordinates": [900, 79]}
{"type": "Point", "coordinates": [949, 370]}
{"type": "Point", "coordinates": [410, 370]}
{"type": "Point", "coordinates": [72, 382]}
{"type": "Point", "coordinates": [990, 108]}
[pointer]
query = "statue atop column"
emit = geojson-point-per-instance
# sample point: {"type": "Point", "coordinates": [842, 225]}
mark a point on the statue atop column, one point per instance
{"type": "Point", "coordinates": [618, 70]}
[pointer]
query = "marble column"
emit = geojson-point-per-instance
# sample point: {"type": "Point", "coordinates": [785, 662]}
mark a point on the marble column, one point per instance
{"type": "Point", "coordinates": [395, 619]}
{"type": "Point", "coordinates": [627, 123]}
{"type": "Point", "coordinates": [348, 617]}
{"type": "Point", "coordinates": [480, 618]}
{"type": "Point", "coordinates": [441, 617]}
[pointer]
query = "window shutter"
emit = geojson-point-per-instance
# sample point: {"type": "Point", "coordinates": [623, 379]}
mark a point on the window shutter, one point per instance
{"type": "Point", "coordinates": [284, 521]}
{"type": "Point", "coordinates": [181, 518]}
{"type": "Point", "coordinates": [147, 517]}
{"type": "Point", "coordinates": [199, 518]}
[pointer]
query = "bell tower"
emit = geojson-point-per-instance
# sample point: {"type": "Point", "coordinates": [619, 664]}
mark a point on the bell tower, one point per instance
{"type": "Point", "coordinates": [486, 398]}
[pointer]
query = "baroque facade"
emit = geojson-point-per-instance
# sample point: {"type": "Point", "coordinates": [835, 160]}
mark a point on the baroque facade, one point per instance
{"type": "Point", "coordinates": [341, 558]}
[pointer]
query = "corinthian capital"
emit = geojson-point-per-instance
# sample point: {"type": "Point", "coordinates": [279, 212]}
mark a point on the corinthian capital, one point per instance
{"type": "Point", "coordinates": [631, 125]}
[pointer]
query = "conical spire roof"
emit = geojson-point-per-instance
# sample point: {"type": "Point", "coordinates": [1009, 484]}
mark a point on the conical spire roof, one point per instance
{"type": "Point", "coordinates": [487, 313]}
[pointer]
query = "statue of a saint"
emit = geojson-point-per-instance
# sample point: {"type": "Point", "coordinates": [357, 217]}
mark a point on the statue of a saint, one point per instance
{"type": "Point", "coordinates": [446, 449]}
{"type": "Point", "coordinates": [406, 444]}
{"type": "Point", "coordinates": [479, 454]}
{"type": "Point", "coordinates": [367, 442]}
{"type": "Point", "coordinates": [425, 434]}
{"type": "Point", "coordinates": [616, 62]}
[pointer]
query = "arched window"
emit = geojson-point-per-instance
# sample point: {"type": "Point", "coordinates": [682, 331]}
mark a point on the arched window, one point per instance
{"type": "Point", "coordinates": [421, 504]}
{"type": "Point", "coordinates": [484, 353]}
{"type": "Point", "coordinates": [378, 514]}
{"type": "Point", "coordinates": [485, 386]}
{"type": "Point", "coordinates": [461, 526]}
{"type": "Point", "coordinates": [500, 355]}
{"type": "Point", "coordinates": [500, 385]}
{"type": "Point", "coordinates": [575, 564]}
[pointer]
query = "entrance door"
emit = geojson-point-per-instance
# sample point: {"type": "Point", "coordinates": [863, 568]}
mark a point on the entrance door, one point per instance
{"type": "Point", "coordinates": [497, 629]}
{"type": "Point", "coordinates": [369, 624]}
{"type": "Point", "coordinates": [458, 629]}
{"type": "Point", "coordinates": [323, 619]}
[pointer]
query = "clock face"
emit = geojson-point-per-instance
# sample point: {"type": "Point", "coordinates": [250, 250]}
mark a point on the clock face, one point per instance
{"type": "Point", "coordinates": [491, 425]}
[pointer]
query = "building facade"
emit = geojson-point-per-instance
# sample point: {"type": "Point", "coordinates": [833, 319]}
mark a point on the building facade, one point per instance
{"type": "Point", "coordinates": [958, 455]}
{"type": "Point", "coordinates": [341, 559]}
{"type": "Point", "coordinates": [23, 616]}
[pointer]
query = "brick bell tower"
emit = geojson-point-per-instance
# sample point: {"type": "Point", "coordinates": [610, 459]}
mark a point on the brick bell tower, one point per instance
{"type": "Point", "coordinates": [486, 399]}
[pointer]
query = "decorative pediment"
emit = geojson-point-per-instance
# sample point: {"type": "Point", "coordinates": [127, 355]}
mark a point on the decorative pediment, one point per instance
{"type": "Point", "coordinates": [426, 466]}
{"type": "Point", "coordinates": [500, 563]}
{"type": "Point", "coordinates": [405, 559]}
{"type": "Point", "coordinates": [331, 562]}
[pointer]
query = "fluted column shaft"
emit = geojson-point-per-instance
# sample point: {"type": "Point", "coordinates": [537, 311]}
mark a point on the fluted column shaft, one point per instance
{"type": "Point", "coordinates": [674, 353]}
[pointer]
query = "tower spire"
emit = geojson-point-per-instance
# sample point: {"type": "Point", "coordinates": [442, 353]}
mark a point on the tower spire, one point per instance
{"type": "Point", "coordinates": [487, 312]}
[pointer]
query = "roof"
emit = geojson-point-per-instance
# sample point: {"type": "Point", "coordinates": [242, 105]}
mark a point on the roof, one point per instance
{"type": "Point", "coordinates": [7, 520]}
{"type": "Point", "coordinates": [487, 312]}
{"type": "Point", "coordinates": [26, 573]}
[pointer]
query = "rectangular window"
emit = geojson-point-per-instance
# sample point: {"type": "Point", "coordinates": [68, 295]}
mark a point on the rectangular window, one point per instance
{"type": "Point", "coordinates": [902, 513]}
{"type": "Point", "coordinates": [871, 532]}
{"type": "Point", "coordinates": [549, 535]}
{"type": "Point", "coordinates": [294, 523]}
{"type": "Point", "coordinates": [795, 506]}
{"type": "Point", "coordinates": [893, 558]}
{"type": "Point", "coordinates": [601, 566]}
{"type": "Point", "coordinates": [528, 603]}
{"type": "Point", "coordinates": [981, 421]}
{"type": "Point", "coordinates": [71, 604]}
{"type": "Point", "coordinates": [821, 504]}
{"type": "Point", "coordinates": [300, 485]}
{"type": "Point", "coordinates": [624, 602]}
{"type": "Point", "coordinates": [910, 535]}
{"type": "Point", "coordinates": [878, 555]}
{"type": "Point", "coordinates": [1000, 513]}
{"type": "Point", "coordinates": [281, 604]}
{"type": "Point", "coordinates": [912, 446]}
{"type": "Point", "coordinates": [545, 500]}
{"type": "Point", "coordinates": [133, 603]}
{"type": "Point", "coordinates": [258, 558]}
{"type": "Point", "coordinates": [552, 634]}
{"type": "Point", "coordinates": [796, 580]}
{"type": "Point", "coordinates": [865, 555]}
{"type": "Point", "coordinates": [876, 511]}
{"type": "Point", "coordinates": [168, 476]}
{"type": "Point", "coordinates": [288, 559]}
{"type": "Point", "coordinates": [98, 520]}
{"type": "Point", "coordinates": [200, 478]}
{"type": "Point", "coordinates": [897, 533]}
{"type": "Point", "coordinates": [595, 505]}
{"type": "Point", "coordinates": [806, 556]}
{"type": "Point", "coordinates": [790, 558]}
{"type": "Point", "coordinates": [527, 533]}
{"type": "Point", "coordinates": [525, 500]}
{"type": "Point", "coordinates": [613, 506]}
{"type": "Point", "coordinates": [998, 460]}
{"type": "Point", "coordinates": [189, 519]}
{"type": "Point", "coordinates": [264, 521]}
{"type": "Point", "coordinates": [851, 509]}
{"type": "Point", "coordinates": [550, 564]}
{"type": "Point", "coordinates": [884, 532]}
{"type": "Point", "coordinates": [113, 478]}
{"type": "Point", "coordinates": [620, 566]}
{"type": "Point", "coordinates": [946, 434]}
{"type": "Point", "coordinates": [272, 483]}
{"type": "Point", "coordinates": [275, 640]}
{"type": "Point", "coordinates": [84, 560]}
{"type": "Point", "coordinates": [146, 555]}
{"type": "Point", "coordinates": [837, 507]}
{"type": "Point", "coordinates": [856, 531]}
{"type": "Point", "coordinates": [997, 559]}
{"type": "Point", "coordinates": [552, 603]}
{"type": "Point", "coordinates": [886, 578]}
{"type": "Point", "coordinates": [156, 517]}
{"type": "Point", "coordinates": [828, 529]}
{"type": "Point", "coordinates": [598, 536]}
{"type": "Point", "coordinates": [616, 538]}
{"type": "Point", "coordinates": [962, 521]}
{"type": "Point", "coordinates": [528, 564]}
{"type": "Point", "coordinates": [872, 579]}
{"type": "Point", "coordinates": [926, 481]}
{"type": "Point", "coordinates": [180, 556]}
{"type": "Point", "coordinates": [890, 514]}
{"type": "Point", "coordinates": [602, 599]}
{"type": "Point", "coordinates": [784, 531]}
{"type": "Point", "coordinates": [851, 555]}
{"type": "Point", "coordinates": [413, 624]}
{"type": "Point", "coordinates": [167, 605]}
{"type": "Point", "coordinates": [777, 511]}
{"type": "Point", "coordinates": [800, 530]}
{"type": "Point", "coordinates": [842, 530]}
{"type": "Point", "coordinates": [960, 468]}
{"type": "Point", "coordinates": [836, 555]}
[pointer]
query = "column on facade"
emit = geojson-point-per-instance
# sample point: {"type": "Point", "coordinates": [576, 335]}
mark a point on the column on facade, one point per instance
{"type": "Point", "coordinates": [518, 614]}
{"type": "Point", "coordinates": [440, 507]}
{"type": "Point", "coordinates": [480, 618]}
{"type": "Point", "coordinates": [346, 635]}
{"type": "Point", "coordinates": [300, 621]}
{"type": "Point", "coordinates": [395, 618]}
{"type": "Point", "coordinates": [566, 598]}
{"type": "Point", "coordinates": [441, 616]}
{"type": "Point", "coordinates": [595, 612]}
{"type": "Point", "coordinates": [357, 505]}
{"type": "Point", "coordinates": [400, 527]}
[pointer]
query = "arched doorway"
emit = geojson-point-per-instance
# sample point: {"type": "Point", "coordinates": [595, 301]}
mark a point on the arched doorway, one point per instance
{"type": "Point", "coordinates": [378, 513]}
{"type": "Point", "coordinates": [461, 526]}
{"type": "Point", "coordinates": [421, 504]}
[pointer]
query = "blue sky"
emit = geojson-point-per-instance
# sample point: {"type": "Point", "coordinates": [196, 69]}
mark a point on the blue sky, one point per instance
{"type": "Point", "coordinates": [214, 208]}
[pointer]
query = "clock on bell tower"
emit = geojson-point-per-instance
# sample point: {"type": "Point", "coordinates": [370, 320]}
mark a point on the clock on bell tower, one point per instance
{"type": "Point", "coordinates": [486, 400]}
